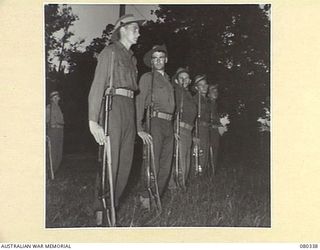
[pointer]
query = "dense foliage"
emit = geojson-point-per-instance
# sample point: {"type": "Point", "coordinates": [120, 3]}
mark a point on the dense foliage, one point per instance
{"type": "Point", "coordinates": [229, 43]}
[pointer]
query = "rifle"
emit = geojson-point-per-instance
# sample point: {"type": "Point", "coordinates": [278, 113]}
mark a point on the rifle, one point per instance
{"type": "Point", "coordinates": [151, 173]}
{"type": "Point", "coordinates": [198, 168]}
{"type": "Point", "coordinates": [211, 159]}
{"type": "Point", "coordinates": [50, 157]}
{"type": "Point", "coordinates": [211, 148]}
{"type": "Point", "coordinates": [110, 213]}
{"type": "Point", "coordinates": [179, 175]}
{"type": "Point", "coordinates": [48, 140]}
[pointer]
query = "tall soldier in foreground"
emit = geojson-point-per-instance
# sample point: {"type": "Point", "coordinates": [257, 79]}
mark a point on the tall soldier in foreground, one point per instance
{"type": "Point", "coordinates": [186, 111]}
{"type": "Point", "coordinates": [121, 110]}
{"type": "Point", "coordinates": [156, 92]}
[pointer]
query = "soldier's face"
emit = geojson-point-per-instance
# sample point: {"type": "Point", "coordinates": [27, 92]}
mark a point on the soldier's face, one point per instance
{"type": "Point", "coordinates": [56, 99]}
{"type": "Point", "coordinates": [184, 79]}
{"type": "Point", "coordinates": [213, 93]}
{"type": "Point", "coordinates": [158, 60]}
{"type": "Point", "coordinates": [203, 87]}
{"type": "Point", "coordinates": [131, 33]}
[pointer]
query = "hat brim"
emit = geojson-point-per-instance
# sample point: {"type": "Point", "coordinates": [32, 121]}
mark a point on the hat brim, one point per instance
{"type": "Point", "coordinates": [53, 95]}
{"type": "Point", "coordinates": [175, 76]}
{"type": "Point", "coordinates": [148, 55]}
{"type": "Point", "coordinates": [215, 86]}
{"type": "Point", "coordinates": [199, 79]}
{"type": "Point", "coordinates": [116, 32]}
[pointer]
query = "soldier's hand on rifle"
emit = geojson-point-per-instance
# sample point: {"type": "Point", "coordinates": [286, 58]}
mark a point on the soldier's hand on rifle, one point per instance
{"type": "Point", "coordinates": [146, 138]}
{"type": "Point", "coordinates": [110, 91]}
{"type": "Point", "coordinates": [97, 132]}
{"type": "Point", "coordinates": [196, 141]}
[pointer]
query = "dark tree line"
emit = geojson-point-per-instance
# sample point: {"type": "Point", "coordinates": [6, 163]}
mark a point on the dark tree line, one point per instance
{"type": "Point", "coordinates": [229, 43]}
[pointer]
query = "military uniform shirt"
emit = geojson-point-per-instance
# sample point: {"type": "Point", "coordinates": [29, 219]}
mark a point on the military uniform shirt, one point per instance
{"type": "Point", "coordinates": [205, 108]}
{"type": "Point", "coordinates": [189, 106]}
{"type": "Point", "coordinates": [54, 115]}
{"type": "Point", "coordinates": [215, 120]}
{"type": "Point", "coordinates": [163, 95]}
{"type": "Point", "coordinates": [124, 75]}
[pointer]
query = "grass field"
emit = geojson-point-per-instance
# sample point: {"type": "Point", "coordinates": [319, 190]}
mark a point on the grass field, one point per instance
{"type": "Point", "coordinates": [238, 195]}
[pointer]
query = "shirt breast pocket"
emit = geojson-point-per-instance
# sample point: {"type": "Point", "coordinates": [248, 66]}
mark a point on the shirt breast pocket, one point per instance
{"type": "Point", "coordinates": [123, 73]}
{"type": "Point", "coordinates": [160, 94]}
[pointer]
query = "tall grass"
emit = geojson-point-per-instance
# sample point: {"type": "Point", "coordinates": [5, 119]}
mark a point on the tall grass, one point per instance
{"type": "Point", "coordinates": [238, 195]}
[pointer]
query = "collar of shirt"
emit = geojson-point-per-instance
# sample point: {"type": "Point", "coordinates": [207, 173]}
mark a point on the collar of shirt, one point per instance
{"type": "Point", "coordinates": [54, 105]}
{"type": "Point", "coordinates": [179, 89]}
{"type": "Point", "coordinates": [165, 75]}
{"type": "Point", "coordinates": [121, 47]}
{"type": "Point", "coordinates": [160, 72]}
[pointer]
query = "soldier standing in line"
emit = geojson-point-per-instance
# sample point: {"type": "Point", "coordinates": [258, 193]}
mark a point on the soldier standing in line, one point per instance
{"type": "Point", "coordinates": [55, 124]}
{"type": "Point", "coordinates": [187, 109]}
{"type": "Point", "coordinates": [157, 91]}
{"type": "Point", "coordinates": [201, 98]}
{"type": "Point", "coordinates": [122, 114]}
{"type": "Point", "coordinates": [215, 124]}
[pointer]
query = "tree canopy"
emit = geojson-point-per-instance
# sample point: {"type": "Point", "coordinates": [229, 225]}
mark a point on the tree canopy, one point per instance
{"type": "Point", "coordinates": [229, 43]}
{"type": "Point", "coordinates": [58, 18]}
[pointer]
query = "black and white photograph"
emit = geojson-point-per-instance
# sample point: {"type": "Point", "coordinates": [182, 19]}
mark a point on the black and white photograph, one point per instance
{"type": "Point", "coordinates": [157, 115]}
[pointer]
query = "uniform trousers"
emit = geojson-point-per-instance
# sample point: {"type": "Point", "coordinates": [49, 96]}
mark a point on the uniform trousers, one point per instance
{"type": "Point", "coordinates": [214, 144]}
{"type": "Point", "coordinates": [185, 155]}
{"type": "Point", "coordinates": [56, 140]}
{"type": "Point", "coordinates": [162, 137]}
{"type": "Point", "coordinates": [122, 131]}
{"type": "Point", "coordinates": [204, 146]}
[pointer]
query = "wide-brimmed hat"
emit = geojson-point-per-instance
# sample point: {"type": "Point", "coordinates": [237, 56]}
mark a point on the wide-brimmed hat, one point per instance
{"type": "Point", "coordinates": [123, 21]}
{"type": "Point", "coordinates": [156, 48]}
{"type": "Point", "coordinates": [213, 86]}
{"type": "Point", "coordinates": [53, 94]}
{"type": "Point", "coordinates": [179, 71]}
{"type": "Point", "coordinates": [199, 78]}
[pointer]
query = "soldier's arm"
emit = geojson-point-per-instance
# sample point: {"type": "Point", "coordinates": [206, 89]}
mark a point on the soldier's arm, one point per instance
{"type": "Point", "coordinates": [101, 77]}
{"type": "Point", "coordinates": [177, 100]}
{"type": "Point", "coordinates": [141, 103]}
{"type": "Point", "coordinates": [141, 100]}
{"type": "Point", "coordinates": [48, 113]}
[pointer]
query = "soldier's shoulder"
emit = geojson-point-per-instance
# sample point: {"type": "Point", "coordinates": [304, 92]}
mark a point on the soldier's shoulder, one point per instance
{"type": "Point", "coordinates": [107, 50]}
{"type": "Point", "coordinates": [145, 80]}
{"type": "Point", "coordinates": [149, 73]}
{"type": "Point", "coordinates": [146, 75]}
{"type": "Point", "coordinates": [167, 76]}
